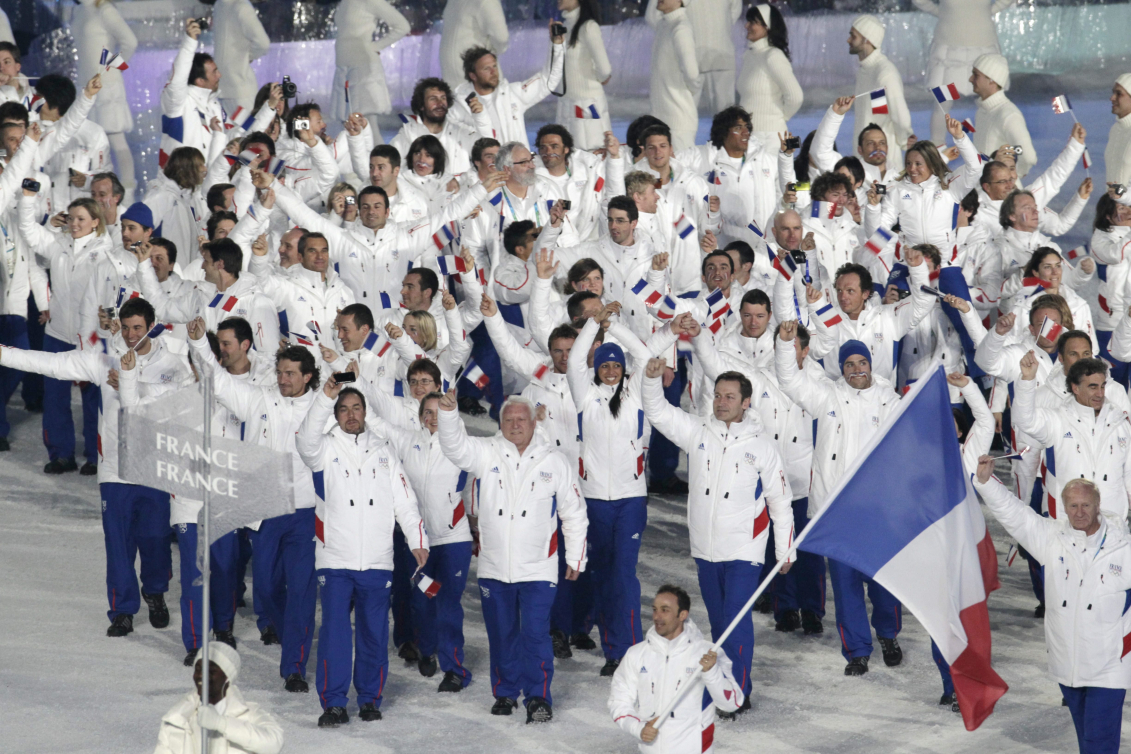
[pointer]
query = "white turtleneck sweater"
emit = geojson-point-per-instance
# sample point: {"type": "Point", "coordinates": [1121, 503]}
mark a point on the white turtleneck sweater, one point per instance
{"type": "Point", "coordinates": [1117, 154]}
{"type": "Point", "coordinates": [767, 88]}
{"type": "Point", "coordinates": [877, 72]}
{"type": "Point", "coordinates": [999, 121]}
{"type": "Point", "coordinates": [675, 73]}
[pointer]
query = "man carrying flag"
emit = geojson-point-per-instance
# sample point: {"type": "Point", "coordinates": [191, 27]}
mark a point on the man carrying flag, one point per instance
{"type": "Point", "coordinates": [1087, 558]}
{"type": "Point", "coordinates": [373, 352]}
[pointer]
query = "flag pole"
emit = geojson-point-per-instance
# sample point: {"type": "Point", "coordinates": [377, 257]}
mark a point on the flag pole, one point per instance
{"type": "Point", "coordinates": [864, 453]}
{"type": "Point", "coordinates": [205, 569]}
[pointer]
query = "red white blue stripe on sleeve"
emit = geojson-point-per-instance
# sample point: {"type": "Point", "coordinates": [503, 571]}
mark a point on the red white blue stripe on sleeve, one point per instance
{"type": "Point", "coordinates": [946, 93]}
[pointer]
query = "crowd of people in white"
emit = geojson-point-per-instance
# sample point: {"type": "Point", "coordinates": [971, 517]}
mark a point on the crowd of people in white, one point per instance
{"type": "Point", "coordinates": [757, 297]}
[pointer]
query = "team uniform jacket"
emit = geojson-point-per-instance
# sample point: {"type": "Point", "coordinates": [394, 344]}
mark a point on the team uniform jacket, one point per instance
{"type": "Point", "coordinates": [483, 234]}
{"type": "Point", "coordinates": [269, 418]}
{"type": "Point", "coordinates": [362, 494]}
{"type": "Point", "coordinates": [249, 730]}
{"type": "Point", "coordinates": [438, 483]}
{"type": "Point", "coordinates": [20, 275]}
{"type": "Point", "coordinates": [1078, 443]}
{"type": "Point", "coordinates": [878, 327]}
{"type": "Point", "coordinates": [685, 195]}
{"type": "Point", "coordinates": [1086, 590]}
{"type": "Point", "coordinates": [653, 672]}
{"type": "Point", "coordinates": [847, 419]}
{"type": "Point", "coordinates": [728, 509]}
{"type": "Point", "coordinates": [302, 296]}
{"type": "Point", "coordinates": [585, 186]}
{"type": "Point", "coordinates": [179, 213]}
{"type": "Point", "coordinates": [457, 137]}
{"type": "Point", "coordinates": [519, 499]}
{"type": "Point", "coordinates": [158, 372]}
{"type": "Point", "coordinates": [71, 262]}
{"type": "Point", "coordinates": [187, 110]}
{"type": "Point", "coordinates": [825, 157]}
{"type": "Point", "coordinates": [1112, 250]}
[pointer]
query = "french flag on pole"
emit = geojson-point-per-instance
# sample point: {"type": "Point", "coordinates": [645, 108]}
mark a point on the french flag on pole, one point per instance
{"type": "Point", "coordinates": [303, 340]}
{"type": "Point", "coordinates": [451, 265]}
{"type": "Point", "coordinates": [373, 341]}
{"type": "Point", "coordinates": [934, 554]}
{"type": "Point", "coordinates": [1074, 254]}
{"type": "Point", "coordinates": [753, 228]}
{"type": "Point", "coordinates": [157, 330]}
{"type": "Point", "coordinates": [946, 93]}
{"type": "Point", "coordinates": [1087, 159]}
{"type": "Point", "coordinates": [1051, 331]}
{"type": "Point", "coordinates": [879, 102]}
{"type": "Point", "coordinates": [650, 295]}
{"type": "Point", "coordinates": [276, 166]}
{"type": "Point", "coordinates": [475, 375]}
{"type": "Point", "coordinates": [444, 236]}
{"type": "Point", "coordinates": [240, 118]}
{"type": "Point", "coordinates": [113, 60]}
{"type": "Point", "coordinates": [823, 210]}
{"type": "Point", "coordinates": [1061, 105]}
{"type": "Point", "coordinates": [589, 112]}
{"type": "Point", "coordinates": [426, 584]}
{"type": "Point", "coordinates": [879, 240]}
{"type": "Point", "coordinates": [683, 227]}
{"type": "Point", "coordinates": [785, 264]}
{"type": "Point", "coordinates": [967, 126]}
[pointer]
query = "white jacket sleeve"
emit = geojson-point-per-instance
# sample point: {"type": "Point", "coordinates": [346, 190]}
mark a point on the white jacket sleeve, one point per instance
{"type": "Point", "coordinates": [239, 397]}
{"type": "Point", "coordinates": [168, 308]}
{"type": "Point", "coordinates": [78, 366]}
{"type": "Point", "coordinates": [1038, 423]}
{"type": "Point", "coordinates": [991, 357]}
{"type": "Point", "coordinates": [360, 146]}
{"type": "Point", "coordinates": [824, 140]}
{"type": "Point", "coordinates": [725, 692]}
{"type": "Point", "coordinates": [406, 508]}
{"type": "Point", "coordinates": [459, 345]}
{"type": "Point", "coordinates": [578, 372]}
{"type": "Point", "coordinates": [811, 395]}
{"type": "Point", "coordinates": [11, 181]}
{"type": "Point", "coordinates": [382, 404]}
{"type": "Point", "coordinates": [1048, 184]}
{"type": "Point", "coordinates": [176, 91]}
{"type": "Point", "coordinates": [66, 128]}
{"type": "Point", "coordinates": [311, 439]}
{"type": "Point", "coordinates": [981, 433]}
{"type": "Point", "coordinates": [675, 423]}
{"type": "Point", "coordinates": [622, 700]}
{"type": "Point", "coordinates": [779, 498]}
{"type": "Point", "coordinates": [575, 520]}
{"type": "Point", "coordinates": [1120, 345]}
{"type": "Point", "coordinates": [467, 453]}
{"type": "Point", "coordinates": [1032, 531]}
{"type": "Point", "coordinates": [541, 324]}
{"type": "Point", "coordinates": [520, 360]}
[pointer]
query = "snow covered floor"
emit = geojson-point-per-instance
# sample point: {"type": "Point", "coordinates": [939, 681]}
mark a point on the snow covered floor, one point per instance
{"type": "Point", "coordinates": [64, 686]}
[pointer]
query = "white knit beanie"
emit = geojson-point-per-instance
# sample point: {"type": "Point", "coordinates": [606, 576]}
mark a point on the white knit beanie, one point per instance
{"type": "Point", "coordinates": [1125, 82]}
{"type": "Point", "coordinates": [995, 67]}
{"type": "Point", "coordinates": [871, 28]}
{"type": "Point", "coordinates": [225, 657]}
{"type": "Point", "coordinates": [764, 12]}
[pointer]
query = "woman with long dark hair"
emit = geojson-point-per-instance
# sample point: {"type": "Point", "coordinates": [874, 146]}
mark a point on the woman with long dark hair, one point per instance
{"type": "Point", "coordinates": [1111, 245]}
{"type": "Point", "coordinates": [767, 88]}
{"type": "Point", "coordinates": [587, 70]}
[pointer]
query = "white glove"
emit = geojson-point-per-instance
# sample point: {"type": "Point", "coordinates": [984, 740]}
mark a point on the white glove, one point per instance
{"type": "Point", "coordinates": [210, 719]}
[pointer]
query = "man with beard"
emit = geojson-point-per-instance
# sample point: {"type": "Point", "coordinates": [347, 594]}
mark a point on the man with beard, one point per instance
{"type": "Point", "coordinates": [877, 72]}
{"type": "Point", "coordinates": [430, 103]}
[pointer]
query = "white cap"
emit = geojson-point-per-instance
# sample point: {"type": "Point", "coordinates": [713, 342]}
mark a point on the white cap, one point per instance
{"type": "Point", "coordinates": [1125, 82]}
{"type": "Point", "coordinates": [871, 28]}
{"type": "Point", "coordinates": [995, 67]}
{"type": "Point", "coordinates": [225, 657]}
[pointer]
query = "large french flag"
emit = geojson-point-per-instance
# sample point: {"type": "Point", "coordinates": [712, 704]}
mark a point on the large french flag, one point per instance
{"type": "Point", "coordinates": [916, 528]}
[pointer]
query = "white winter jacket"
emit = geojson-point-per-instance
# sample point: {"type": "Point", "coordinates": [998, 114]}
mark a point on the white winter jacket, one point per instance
{"type": "Point", "coordinates": [179, 214]}
{"type": "Point", "coordinates": [362, 491]}
{"type": "Point", "coordinates": [1079, 444]}
{"type": "Point", "coordinates": [1086, 590]}
{"type": "Point", "coordinates": [728, 510]}
{"type": "Point", "coordinates": [71, 262]}
{"type": "Point", "coordinates": [250, 729]}
{"type": "Point", "coordinates": [186, 110]}
{"type": "Point", "coordinates": [1112, 250]}
{"type": "Point", "coordinates": [302, 296]}
{"type": "Point", "coordinates": [519, 499]}
{"type": "Point", "coordinates": [437, 482]}
{"type": "Point", "coordinates": [653, 672]}
{"type": "Point", "coordinates": [847, 419]}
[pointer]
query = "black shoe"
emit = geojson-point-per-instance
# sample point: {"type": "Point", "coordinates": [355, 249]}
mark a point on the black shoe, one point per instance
{"type": "Point", "coordinates": [950, 700]}
{"type": "Point", "coordinates": [856, 666]}
{"type": "Point", "coordinates": [33, 408]}
{"type": "Point", "coordinates": [409, 653]}
{"type": "Point", "coordinates": [158, 610]}
{"type": "Point", "coordinates": [428, 666]}
{"type": "Point", "coordinates": [121, 625]}
{"type": "Point", "coordinates": [730, 716]}
{"type": "Point", "coordinates": [1039, 612]}
{"type": "Point", "coordinates": [452, 683]}
{"type": "Point", "coordinates": [504, 705]}
{"type": "Point", "coordinates": [470, 406]}
{"type": "Point", "coordinates": [89, 469]}
{"type": "Point", "coordinates": [811, 623]}
{"type": "Point", "coordinates": [582, 641]}
{"type": "Point", "coordinates": [227, 637]}
{"type": "Point", "coordinates": [60, 466]}
{"type": "Point", "coordinates": [4, 446]}
{"type": "Point", "coordinates": [610, 668]}
{"type": "Point", "coordinates": [333, 717]}
{"type": "Point", "coordinates": [269, 637]}
{"type": "Point", "coordinates": [190, 658]}
{"type": "Point", "coordinates": [762, 604]}
{"type": "Point", "coordinates": [893, 655]}
{"type": "Point", "coordinates": [671, 486]}
{"type": "Point", "coordinates": [538, 710]}
{"type": "Point", "coordinates": [241, 602]}
{"type": "Point", "coordinates": [368, 712]}
{"type": "Point", "coordinates": [790, 621]}
{"type": "Point", "coordinates": [296, 684]}
{"type": "Point", "coordinates": [561, 644]}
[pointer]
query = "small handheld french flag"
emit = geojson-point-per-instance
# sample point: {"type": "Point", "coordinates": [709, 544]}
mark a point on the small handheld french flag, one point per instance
{"type": "Point", "coordinates": [276, 166]}
{"type": "Point", "coordinates": [1074, 254]}
{"type": "Point", "coordinates": [540, 373]}
{"type": "Point", "coordinates": [243, 158]}
{"type": "Point", "coordinates": [113, 60]}
{"type": "Point", "coordinates": [475, 375]}
{"type": "Point", "coordinates": [967, 126]}
{"type": "Point", "coordinates": [347, 96]}
{"type": "Point", "coordinates": [222, 302]}
{"type": "Point", "coordinates": [1019, 455]}
{"type": "Point", "coordinates": [647, 292]}
{"type": "Point", "coordinates": [239, 118]}
{"type": "Point", "coordinates": [823, 210]}
{"type": "Point", "coordinates": [1061, 105]}
{"type": "Point", "coordinates": [683, 227]}
{"type": "Point", "coordinates": [373, 341]}
{"type": "Point", "coordinates": [1087, 159]}
{"type": "Point", "coordinates": [785, 264]}
{"type": "Point", "coordinates": [879, 102]}
{"type": "Point", "coordinates": [315, 328]}
{"type": "Point", "coordinates": [426, 584]}
{"type": "Point", "coordinates": [946, 93]}
{"type": "Point", "coordinates": [753, 228]}
{"type": "Point", "coordinates": [713, 178]}
{"type": "Point", "coordinates": [879, 240]}
{"type": "Point", "coordinates": [303, 340]}
{"type": "Point", "coordinates": [451, 265]}
{"type": "Point", "coordinates": [586, 113]}
{"type": "Point", "coordinates": [828, 315]}
{"type": "Point", "coordinates": [444, 236]}
{"type": "Point", "coordinates": [1051, 331]}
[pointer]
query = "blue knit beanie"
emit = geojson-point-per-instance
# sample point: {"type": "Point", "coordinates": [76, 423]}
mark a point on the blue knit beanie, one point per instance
{"type": "Point", "coordinates": [849, 348]}
{"type": "Point", "coordinates": [607, 352]}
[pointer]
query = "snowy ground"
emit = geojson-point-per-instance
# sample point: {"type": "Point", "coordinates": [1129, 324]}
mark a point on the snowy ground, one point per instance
{"type": "Point", "coordinates": [64, 686]}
